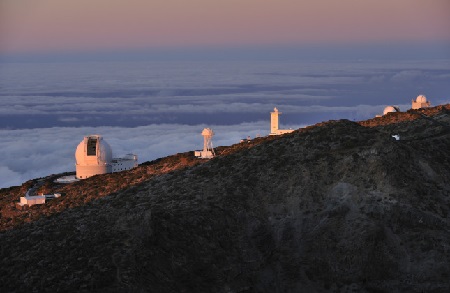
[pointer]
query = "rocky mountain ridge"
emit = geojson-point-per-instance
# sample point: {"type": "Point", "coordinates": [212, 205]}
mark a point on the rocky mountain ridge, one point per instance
{"type": "Point", "coordinates": [336, 207]}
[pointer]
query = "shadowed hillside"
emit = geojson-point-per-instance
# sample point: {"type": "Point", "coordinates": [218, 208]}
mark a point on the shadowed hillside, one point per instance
{"type": "Point", "coordinates": [336, 207]}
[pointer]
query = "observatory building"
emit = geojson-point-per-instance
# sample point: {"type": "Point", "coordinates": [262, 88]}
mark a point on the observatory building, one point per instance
{"type": "Point", "coordinates": [94, 156]}
{"type": "Point", "coordinates": [420, 102]}
{"type": "Point", "coordinates": [208, 150]}
{"type": "Point", "coordinates": [390, 109]}
{"type": "Point", "coordinates": [274, 124]}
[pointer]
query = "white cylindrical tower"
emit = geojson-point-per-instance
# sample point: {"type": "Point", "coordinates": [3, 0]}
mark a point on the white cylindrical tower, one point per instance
{"type": "Point", "coordinates": [274, 121]}
{"type": "Point", "coordinates": [93, 156]}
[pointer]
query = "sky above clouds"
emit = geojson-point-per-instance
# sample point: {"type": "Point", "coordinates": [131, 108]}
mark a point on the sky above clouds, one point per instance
{"type": "Point", "coordinates": [97, 25]}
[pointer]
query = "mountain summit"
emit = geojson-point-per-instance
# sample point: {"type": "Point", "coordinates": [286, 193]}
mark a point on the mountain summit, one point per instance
{"type": "Point", "coordinates": [336, 207]}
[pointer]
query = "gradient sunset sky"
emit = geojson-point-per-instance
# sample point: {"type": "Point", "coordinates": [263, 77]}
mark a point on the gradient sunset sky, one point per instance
{"type": "Point", "coordinates": [46, 26]}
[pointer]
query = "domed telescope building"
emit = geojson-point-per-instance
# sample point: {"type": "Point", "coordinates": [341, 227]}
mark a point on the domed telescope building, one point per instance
{"type": "Point", "coordinates": [93, 156]}
{"type": "Point", "coordinates": [390, 109]}
{"type": "Point", "coordinates": [420, 102]}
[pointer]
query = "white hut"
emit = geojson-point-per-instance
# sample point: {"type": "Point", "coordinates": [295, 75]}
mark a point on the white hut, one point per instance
{"type": "Point", "coordinates": [32, 200]}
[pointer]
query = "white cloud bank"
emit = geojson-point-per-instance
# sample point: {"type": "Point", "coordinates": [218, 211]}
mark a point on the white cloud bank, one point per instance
{"type": "Point", "coordinates": [34, 153]}
{"type": "Point", "coordinates": [209, 87]}
{"type": "Point", "coordinates": [70, 93]}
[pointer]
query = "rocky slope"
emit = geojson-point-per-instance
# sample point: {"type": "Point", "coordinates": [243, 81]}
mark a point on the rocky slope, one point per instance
{"type": "Point", "coordinates": [336, 207]}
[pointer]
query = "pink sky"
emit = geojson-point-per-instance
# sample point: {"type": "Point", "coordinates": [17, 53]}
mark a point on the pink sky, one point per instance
{"type": "Point", "coordinates": [28, 26]}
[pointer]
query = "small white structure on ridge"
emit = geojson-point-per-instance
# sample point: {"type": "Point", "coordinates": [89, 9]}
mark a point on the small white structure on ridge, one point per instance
{"type": "Point", "coordinates": [274, 124]}
{"type": "Point", "coordinates": [420, 102]}
{"type": "Point", "coordinates": [32, 200]}
{"type": "Point", "coordinates": [66, 179]}
{"type": "Point", "coordinates": [128, 162]}
{"type": "Point", "coordinates": [208, 150]}
{"type": "Point", "coordinates": [36, 199]}
{"type": "Point", "coordinates": [390, 109]}
{"type": "Point", "coordinates": [94, 156]}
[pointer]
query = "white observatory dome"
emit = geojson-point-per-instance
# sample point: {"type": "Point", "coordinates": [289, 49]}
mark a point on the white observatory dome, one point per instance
{"type": "Point", "coordinates": [93, 150]}
{"type": "Point", "coordinates": [389, 109]}
{"type": "Point", "coordinates": [207, 132]}
{"type": "Point", "coordinates": [421, 99]}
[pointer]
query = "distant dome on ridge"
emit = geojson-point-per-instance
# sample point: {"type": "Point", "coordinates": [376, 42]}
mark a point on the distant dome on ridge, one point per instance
{"type": "Point", "coordinates": [421, 99]}
{"type": "Point", "coordinates": [389, 109]}
{"type": "Point", "coordinates": [420, 102]}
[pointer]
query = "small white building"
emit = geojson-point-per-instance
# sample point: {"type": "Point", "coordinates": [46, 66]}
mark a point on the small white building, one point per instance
{"type": "Point", "coordinates": [66, 179]}
{"type": "Point", "coordinates": [32, 200]}
{"type": "Point", "coordinates": [128, 162]}
{"type": "Point", "coordinates": [420, 102]}
{"type": "Point", "coordinates": [36, 199]}
{"type": "Point", "coordinates": [274, 119]}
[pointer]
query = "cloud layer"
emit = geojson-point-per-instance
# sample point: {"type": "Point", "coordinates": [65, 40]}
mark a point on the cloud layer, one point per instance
{"type": "Point", "coordinates": [136, 94]}
{"type": "Point", "coordinates": [156, 109]}
{"type": "Point", "coordinates": [34, 153]}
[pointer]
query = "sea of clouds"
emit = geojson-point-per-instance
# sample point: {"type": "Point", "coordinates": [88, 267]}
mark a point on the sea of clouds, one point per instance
{"type": "Point", "coordinates": [34, 153]}
{"type": "Point", "coordinates": [155, 109]}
